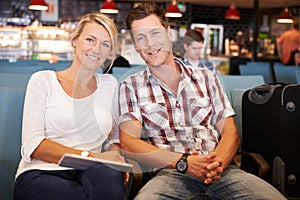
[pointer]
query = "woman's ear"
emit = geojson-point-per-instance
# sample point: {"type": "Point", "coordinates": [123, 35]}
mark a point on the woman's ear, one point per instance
{"type": "Point", "coordinates": [74, 42]}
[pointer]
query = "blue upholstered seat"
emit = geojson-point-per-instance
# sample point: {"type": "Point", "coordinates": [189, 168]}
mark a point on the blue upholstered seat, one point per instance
{"type": "Point", "coordinates": [11, 109]}
{"type": "Point", "coordinates": [264, 69]}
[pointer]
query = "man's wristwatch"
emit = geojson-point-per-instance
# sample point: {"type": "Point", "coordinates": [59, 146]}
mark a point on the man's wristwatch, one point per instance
{"type": "Point", "coordinates": [182, 164]}
{"type": "Point", "coordinates": [85, 154]}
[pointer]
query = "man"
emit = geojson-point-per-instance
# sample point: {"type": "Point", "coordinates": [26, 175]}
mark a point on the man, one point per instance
{"type": "Point", "coordinates": [192, 43]}
{"type": "Point", "coordinates": [288, 42]}
{"type": "Point", "coordinates": [177, 119]}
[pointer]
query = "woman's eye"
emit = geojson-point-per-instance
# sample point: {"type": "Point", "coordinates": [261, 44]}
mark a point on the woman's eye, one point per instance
{"type": "Point", "coordinates": [89, 40]}
{"type": "Point", "coordinates": [106, 45]}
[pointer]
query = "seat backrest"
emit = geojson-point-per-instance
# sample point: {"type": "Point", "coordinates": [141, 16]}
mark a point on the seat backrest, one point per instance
{"type": "Point", "coordinates": [11, 109]}
{"type": "Point", "coordinates": [240, 81]}
{"type": "Point", "coordinates": [14, 79]}
{"type": "Point", "coordinates": [60, 65]}
{"type": "Point", "coordinates": [21, 62]}
{"type": "Point", "coordinates": [258, 63]}
{"type": "Point", "coordinates": [297, 73]}
{"type": "Point", "coordinates": [285, 74]}
{"type": "Point", "coordinates": [264, 69]}
{"type": "Point", "coordinates": [279, 64]}
{"type": "Point", "coordinates": [20, 69]}
{"type": "Point", "coordinates": [119, 71]}
{"type": "Point", "coordinates": [236, 97]}
{"type": "Point", "coordinates": [116, 69]}
{"type": "Point", "coordinates": [132, 70]}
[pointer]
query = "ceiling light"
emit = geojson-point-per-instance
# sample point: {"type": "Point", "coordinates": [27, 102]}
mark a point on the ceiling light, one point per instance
{"type": "Point", "coordinates": [285, 17]}
{"type": "Point", "coordinates": [173, 10]}
{"type": "Point", "coordinates": [109, 7]}
{"type": "Point", "coordinates": [38, 5]}
{"type": "Point", "coordinates": [232, 12]}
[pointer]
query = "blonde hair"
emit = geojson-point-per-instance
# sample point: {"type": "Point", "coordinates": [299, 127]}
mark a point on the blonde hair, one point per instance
{"type": "Point", "coordinates": [102, 20]}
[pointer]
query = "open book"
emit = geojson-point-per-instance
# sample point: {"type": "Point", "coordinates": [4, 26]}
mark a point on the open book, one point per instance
{"type": "Point", "coordinates": [82, 163]}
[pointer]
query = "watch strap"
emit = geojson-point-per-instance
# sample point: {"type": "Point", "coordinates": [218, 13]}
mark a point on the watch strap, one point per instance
{"type": "Point", "coordinates": [184, 156]}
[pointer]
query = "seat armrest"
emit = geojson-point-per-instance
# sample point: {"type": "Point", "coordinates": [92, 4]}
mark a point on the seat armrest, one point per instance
{"type": "Point", "coordinates": [262, 165]}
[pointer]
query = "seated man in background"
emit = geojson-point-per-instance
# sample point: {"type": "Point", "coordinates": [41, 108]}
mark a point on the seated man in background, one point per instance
{"type": "Point", "coordinates": [177, 119]}
{"type": "Point", "coordinates": [288, 42]}
{"type": "Point", "coordinates": [193, 44]}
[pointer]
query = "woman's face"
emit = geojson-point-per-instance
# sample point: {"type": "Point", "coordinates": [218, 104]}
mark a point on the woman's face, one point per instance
{"type": "Point", "coordinates": [297, 59]}
{"type": "Point", "coordinates": [93, 46]}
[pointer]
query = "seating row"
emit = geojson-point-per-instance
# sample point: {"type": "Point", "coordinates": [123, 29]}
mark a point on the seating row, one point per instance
{"type": "Point", "coordinates": [11, 106]}
{"type": "Point", "coordinates": [279, 73]}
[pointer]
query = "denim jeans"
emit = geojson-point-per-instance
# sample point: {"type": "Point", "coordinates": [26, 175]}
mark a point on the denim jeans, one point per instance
{"type": "Point", "coordinates": [97, 182]}
{"type": "Point", "coordinates": [234, 184]}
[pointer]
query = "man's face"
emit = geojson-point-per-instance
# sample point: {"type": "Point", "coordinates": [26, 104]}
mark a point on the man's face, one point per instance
{"type": "Point", "coordinates": [152, 40]}
{"type": "Point", "coordinates": [193, 51]}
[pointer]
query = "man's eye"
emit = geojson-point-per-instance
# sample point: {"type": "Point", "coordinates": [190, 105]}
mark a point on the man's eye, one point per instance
{"type": "Point", "coordinates": [156, 33]}
{"type": "Point", "coordinates": [141, 38]}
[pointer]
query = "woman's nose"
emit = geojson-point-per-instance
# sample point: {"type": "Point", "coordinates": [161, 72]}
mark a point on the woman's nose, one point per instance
{"type": "Point", "coordinates": [97, 48]}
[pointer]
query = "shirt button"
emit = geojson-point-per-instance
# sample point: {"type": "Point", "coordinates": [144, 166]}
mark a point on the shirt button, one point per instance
{"type": "Point", "coordinates": [177, 105]}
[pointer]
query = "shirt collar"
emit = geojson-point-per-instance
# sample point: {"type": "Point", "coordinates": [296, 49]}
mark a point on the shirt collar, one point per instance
{"type": "Point", "coordinates": [186, 72]}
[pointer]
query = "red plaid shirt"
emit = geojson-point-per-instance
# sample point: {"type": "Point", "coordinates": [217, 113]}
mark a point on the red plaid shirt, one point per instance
{"type": "Point", "coordinates": [181, 123]}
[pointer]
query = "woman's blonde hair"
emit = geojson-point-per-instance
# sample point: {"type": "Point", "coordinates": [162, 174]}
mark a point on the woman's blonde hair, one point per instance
{"type": "Point", "coordinates": [102, 20]}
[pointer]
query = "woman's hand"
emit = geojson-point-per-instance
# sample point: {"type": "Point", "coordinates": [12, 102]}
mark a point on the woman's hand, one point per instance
{"type": "Point", "coordinates": [114, 156]}
{"type": "Point", "coordinates": [109, 155]}
{"type": "Point", "coordinates": [126, 177]}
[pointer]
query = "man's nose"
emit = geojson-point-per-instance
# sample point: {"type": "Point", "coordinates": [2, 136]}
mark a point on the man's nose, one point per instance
{"type": "Point", "coordinates": [150, 41]}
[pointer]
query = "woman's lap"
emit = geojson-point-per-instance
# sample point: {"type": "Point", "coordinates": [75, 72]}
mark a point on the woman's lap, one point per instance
{"type": "Point", "coordinates": [70, 184]}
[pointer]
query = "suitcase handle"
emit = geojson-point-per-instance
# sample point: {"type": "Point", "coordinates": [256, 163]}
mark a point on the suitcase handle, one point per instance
{"type": "Point", "coordinates": [261, 94]}
{"type": "Point", "coordinates": [262, 90]}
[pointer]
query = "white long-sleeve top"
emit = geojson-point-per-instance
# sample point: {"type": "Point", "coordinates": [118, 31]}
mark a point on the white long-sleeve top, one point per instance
{"type": "Point", "coordinates": [83, 123]}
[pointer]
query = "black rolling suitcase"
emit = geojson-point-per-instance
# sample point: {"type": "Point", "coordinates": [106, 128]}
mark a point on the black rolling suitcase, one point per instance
{"type": "Point", "coordinates": [271, 127]}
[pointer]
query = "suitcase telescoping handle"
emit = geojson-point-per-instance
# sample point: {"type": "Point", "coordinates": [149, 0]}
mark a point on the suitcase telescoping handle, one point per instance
{"type": "Point", "coordinates": [261, 94]}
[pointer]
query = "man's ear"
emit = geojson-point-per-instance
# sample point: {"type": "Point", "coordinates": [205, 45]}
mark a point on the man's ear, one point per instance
{"type": "Point", "coordinates": [169, 33]}
{"type": "Point", "coordinates": [185, 46]}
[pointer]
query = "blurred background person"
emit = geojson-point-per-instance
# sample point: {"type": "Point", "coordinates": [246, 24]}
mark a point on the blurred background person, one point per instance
{"type": "Point", "coordinates": [295, 58]}
{"type": "Point", "coordinates": [193, 42]}
{"type": "Point", "coordinates": [288, 42]}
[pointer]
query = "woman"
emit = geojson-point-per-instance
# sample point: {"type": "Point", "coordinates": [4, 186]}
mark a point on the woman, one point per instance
{"type": "Point", "coordinates": [295, 58]}
{"type": "Point", "coordinates": [73, 111]}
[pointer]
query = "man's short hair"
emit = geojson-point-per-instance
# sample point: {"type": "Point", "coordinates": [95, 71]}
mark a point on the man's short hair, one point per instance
{"type": "Point", "coordinates": [143, 10]}
{"type": "Point", "coordinates": [192, 35]}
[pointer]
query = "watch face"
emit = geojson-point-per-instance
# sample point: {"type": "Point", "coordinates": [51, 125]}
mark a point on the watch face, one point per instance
{"type": "Point", "coordinates": [181, 166]}
{"type": "Point", "coordinates": [85, 153]}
